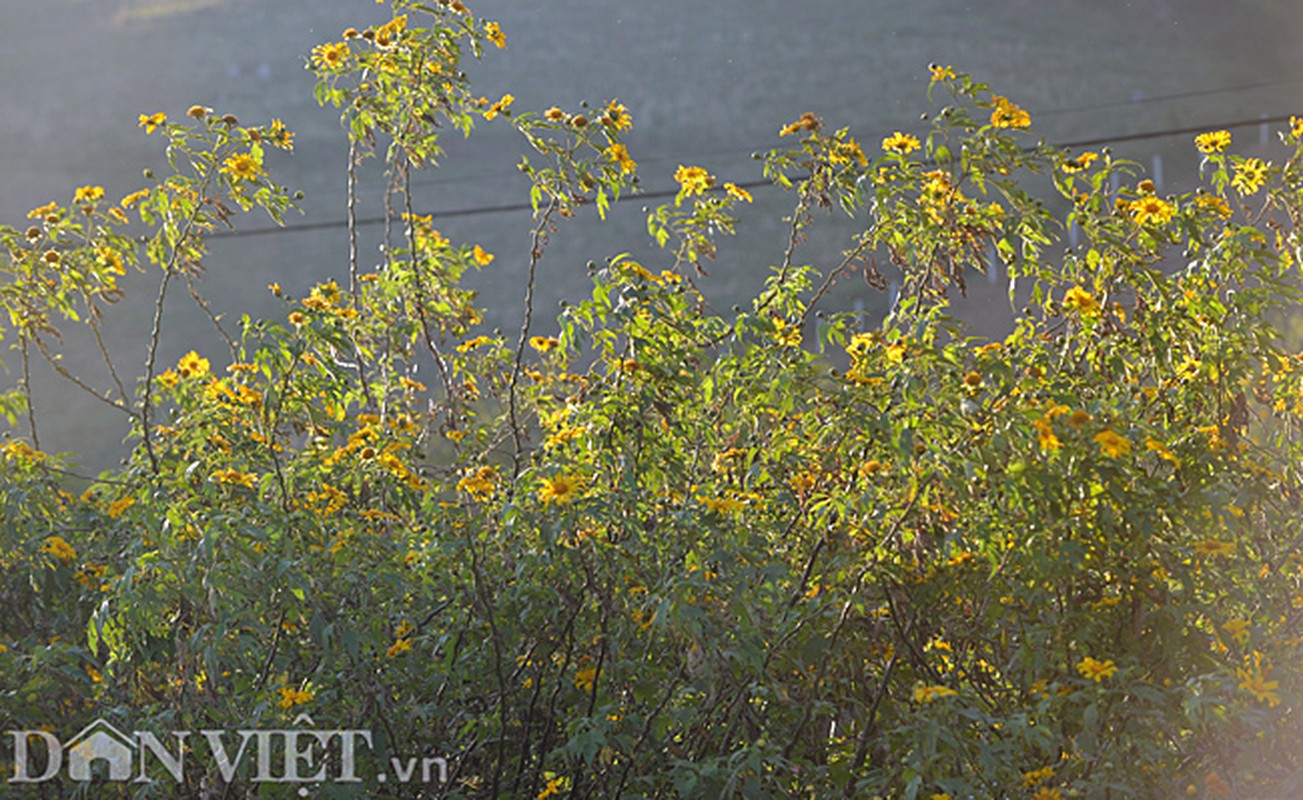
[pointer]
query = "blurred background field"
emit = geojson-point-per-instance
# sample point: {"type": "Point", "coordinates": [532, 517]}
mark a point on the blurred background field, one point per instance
{"type": "Point", "coordinates": [708, 84]}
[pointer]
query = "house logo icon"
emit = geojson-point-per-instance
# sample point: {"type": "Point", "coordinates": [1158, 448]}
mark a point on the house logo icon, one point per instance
{"type": "Point", "coordinates": [100, 741]}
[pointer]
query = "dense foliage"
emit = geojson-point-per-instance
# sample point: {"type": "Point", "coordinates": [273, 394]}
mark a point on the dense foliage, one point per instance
{"type": "Point", "coordinates": [653, 550]}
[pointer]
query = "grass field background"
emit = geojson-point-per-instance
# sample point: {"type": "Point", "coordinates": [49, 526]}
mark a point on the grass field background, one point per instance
{"type": "Point", "coordinates": [708, 84]}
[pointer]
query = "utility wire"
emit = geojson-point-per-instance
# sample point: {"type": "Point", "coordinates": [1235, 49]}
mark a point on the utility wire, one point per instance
{"type": "Point", "coordinates": [754, 184]}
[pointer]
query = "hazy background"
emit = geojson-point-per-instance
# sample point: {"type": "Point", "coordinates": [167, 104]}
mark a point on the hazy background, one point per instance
{"type": "Point", "coordinates": [707, 83]}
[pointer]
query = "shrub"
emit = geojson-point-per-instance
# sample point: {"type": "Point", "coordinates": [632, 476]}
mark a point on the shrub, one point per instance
{"type": "Point", "coordinates": [659, 551]}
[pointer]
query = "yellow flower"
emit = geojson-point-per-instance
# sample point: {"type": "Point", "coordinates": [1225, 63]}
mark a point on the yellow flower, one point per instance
{"type": "Point", "coordinates": [233, 477]}
{"type": "Point", "coordinates": [693, 180]}
{"type": "Point", "coordinates": [554, 787]}
{"type": "Point", "coordinates": [151, 121]}
{"type": "Point", "coordinates": [554, 114]}
{"type": "Point", "coordinates": [198, 112]}
{"type": "Point", "coordinates": [1081, 300]}
{"type": "Point", "coordinates": [1048, 793]}
{"type": "Point", "coordinates": [280, 135]}
{"type": "Point", "coordinates": [293, 697]}
{"type": "Point", "coordinates": [399, 647]}
{"type": "Point", "coordinates": [119, 506]}
{"type": "Point", "coordinates": [242, 167]}
{"type": "Point", "coordinates": [940, 73]}
{"type": "Point", "coordinates": [480, 483]}
{"type": "Point", "coordinates": [786, 334]}
{"type": "Point", "coordinates": [1037, 777]}
{"type": "Point", "coordinates": [901, 143]}
{"type": "Point", "coordinates": [928, 694]}
{"type": "Point", "coordinates": [1112, 444]}
{"type": "Point", "coordinates": [1007, 114]}
{"type": "Point", "coordinates": [1216, 205]}
{"type": "Point", "coordinates": [617, 116]}
{"type": "Point", "coordinates": [1238, 629]}
{"type": "Point", "coordinates": [737, 193]}
{"type": "Point", "coordinates": [88, 194]}
{"type": "Point", "coordinates": [44, 211]}
{"type": "Point", "coordinates": [846, 152]}
{"type": "Point", "coordinates": [58, 547]}
{"type": "Point", "coordinates": [543, 344]}
{"type": "Point", "coordinates": [1096, 670]}
{"type": "Point", "coordinates": [620, 154]}
{"type": "Point", "coordinates": [494, 31]}
{"type": "Point", "coordinates": [133, 198]}
{"type": "Point", "coordinates": [1151, 210]}
{"type": "Point", "coordinates": [1162, 450]}
{"type": "Point", "coordinates": [1079, 163]}
{"type": "Point", "coordinates": [1256, 684]}
{"type": "Point", "coordinates": [720, 505]}
{"type": "Point", "coordinates": [191, 365]}
{"type": "Point", "coordinates": [807, 122]}
{"type": "Point", "coordinates": [331, 55]}
{"type": "Point", "coordinates": [471, 344]}
{"type": "Point", "coordinates": [585, 678]}
{"type": "Point", "coordinates": [503, 106]}
{"type": "Point", "coordinates": [559, 490]}
{"type": "Point", "coordinates": [1213, 142]}
{"type": "Point", "coordinates": [1214, 547]}
{"type": "Point", "coordinates": [1250, 175]}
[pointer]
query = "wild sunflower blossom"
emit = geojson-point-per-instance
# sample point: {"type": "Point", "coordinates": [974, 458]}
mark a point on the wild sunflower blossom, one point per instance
{"type": "Point", "coordinates": [901, 143]}
{"type": "Point", "coordinates": [929, 694]}
{"type": "Point", "coordinates": [808, 122]}
{"type": "Point", "coordinates": [1151, 210]}
{"type": "Point", "coordinates": [399, 647]}
{"type": "Point", "coordinates": [1213, 142]}
{"type": "Point", "coordinates": [233, 477]}
{"type": "Point", "coordinates": [503, 106]}
{"type": "Point", "coordinates": [1081, 300]}
{"type": "Point", "coordinates": [88, 194]}
{"type": "Point", "coordinates": [693, 180]}
{"type": "Point", "coordinates": [1256, 684]}
{"type": "Point", "coordinates": [1214, 204]}
{"type": "Point", "coordinates": [242, 167]}
{"type": "Point", "coordinates": [1250, 175]}
{"type": "Point", "coordinates": [616, 116]}
{"type": "Point", "coordinates": [332, 55]}
{"type": "Point", "coordinates": [58, 547]}
{"type": "Point", "coordinates": [1096, 670]}
{"type": "Point", "coordinates": [786, 334]}
{"type": "Point", "coordinates": [1007, 114]}
{"type": "Point", "coordinates": [293, 697]}
{"type": "Point", "coordinates": [940, 73]}
{"type": "Point", "coordinates": [1081, 162]}
{"type": "Point", "coordinates": [737, 192]}
{"type": "Point", "coordinates": [559, 490]}
{"type": "Point", "coordinates": [151, 121]}
{"type": "Point", "coordinates": [192, 364]}
{"type": "Point", "coordinates": [1112, 444]}
{"type": "Point", "coordinates": [480, 483]}
{"type": "Point", "coordinates": [620, 155]}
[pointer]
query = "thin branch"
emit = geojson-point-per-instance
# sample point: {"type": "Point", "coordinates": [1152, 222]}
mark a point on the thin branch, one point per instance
{"type": "Point", "coordinates": [537, 241]}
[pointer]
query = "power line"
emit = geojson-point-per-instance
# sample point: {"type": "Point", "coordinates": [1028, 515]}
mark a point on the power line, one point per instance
{"type": "Point", "coordinates": [754, 184]}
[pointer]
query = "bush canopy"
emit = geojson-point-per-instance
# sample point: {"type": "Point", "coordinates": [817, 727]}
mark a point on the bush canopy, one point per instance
{"type": "Point", "coordinates": [650, 549]}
